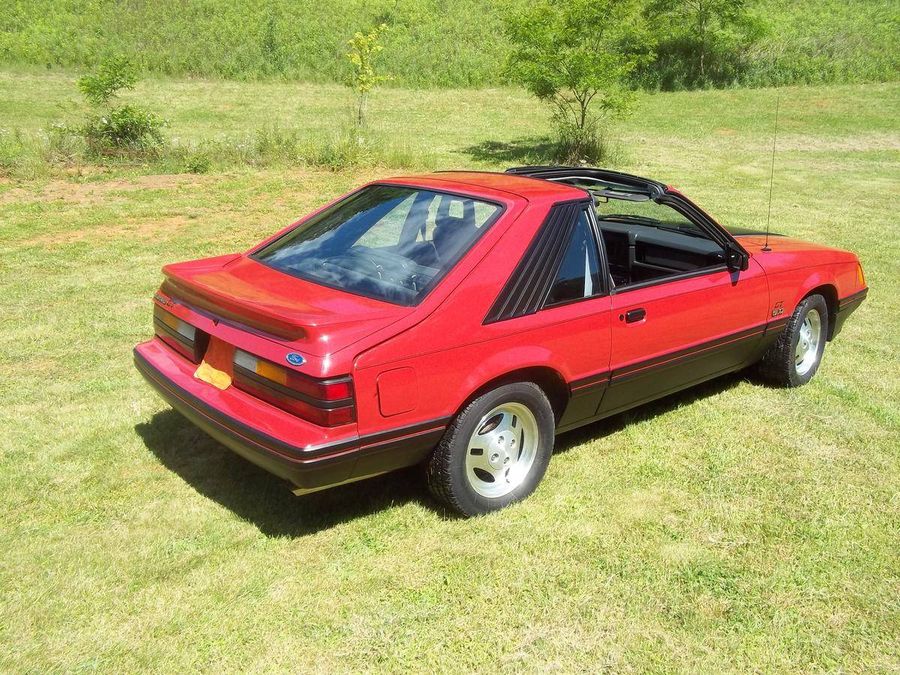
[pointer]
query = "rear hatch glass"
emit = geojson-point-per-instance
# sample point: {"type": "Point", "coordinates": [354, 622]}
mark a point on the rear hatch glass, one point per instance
{"type": "Point", "coordinates": [388, 242]}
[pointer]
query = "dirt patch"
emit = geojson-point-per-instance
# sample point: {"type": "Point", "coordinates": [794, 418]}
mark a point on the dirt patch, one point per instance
{"type": "Point", "coordinates": [127, 229]}
{"type": "Point", "coordinates": [95, 193]}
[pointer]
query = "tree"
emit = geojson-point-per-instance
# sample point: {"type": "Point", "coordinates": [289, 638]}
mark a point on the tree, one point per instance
{"type": "Point", "coordinates": [364, 50]}
{"type": "Point", "coordinates": [577, 55]}
{"type": "Point", "coordinates": [702, 42]}
{"type": "Point", "coordinates": [117, 127]}
{"type": "Point", "coordinates": [110, 77]}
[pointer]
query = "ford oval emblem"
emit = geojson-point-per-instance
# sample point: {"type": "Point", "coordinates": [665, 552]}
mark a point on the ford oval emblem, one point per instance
{"type": "Point", "coordinates": [295, 359]}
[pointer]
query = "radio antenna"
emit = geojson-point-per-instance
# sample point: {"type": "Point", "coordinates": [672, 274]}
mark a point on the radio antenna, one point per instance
{"type": "Point", "coordinates": [772, 174]}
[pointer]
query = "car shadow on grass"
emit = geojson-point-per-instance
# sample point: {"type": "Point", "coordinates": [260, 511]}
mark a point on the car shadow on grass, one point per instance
{"type": "Point", "coordinates": [267, 502]}
{"type": "Point", "coordinates": [261, 498]}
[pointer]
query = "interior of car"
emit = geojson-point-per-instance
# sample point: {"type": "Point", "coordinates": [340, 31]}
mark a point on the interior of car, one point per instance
{"type": "Point", "coordinates": [645, 239]}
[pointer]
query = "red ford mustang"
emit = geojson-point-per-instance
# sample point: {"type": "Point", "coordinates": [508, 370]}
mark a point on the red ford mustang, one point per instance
{"type": "Point", "coordinates": [462, 320]}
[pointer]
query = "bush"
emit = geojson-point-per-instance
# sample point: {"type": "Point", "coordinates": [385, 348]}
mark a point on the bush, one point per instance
{"type": "Point", "coordinates": [125, 128]}
{"type": "Point", "coordinates": [120, 128]}
{"type": "Point", "coordinates": [197, 162]}
{"type": "Point", "coordinates": [590, 145]}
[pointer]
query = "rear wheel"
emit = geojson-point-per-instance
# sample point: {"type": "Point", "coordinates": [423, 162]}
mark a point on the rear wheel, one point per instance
{"type": "Point", "coordinates": [496, 450]}
{"type": "Point", "coordinates": [795, 357]}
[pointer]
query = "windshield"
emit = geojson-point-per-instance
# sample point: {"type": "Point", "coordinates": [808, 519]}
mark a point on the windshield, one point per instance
{"type": "Point", "coordinates": [388, 242]}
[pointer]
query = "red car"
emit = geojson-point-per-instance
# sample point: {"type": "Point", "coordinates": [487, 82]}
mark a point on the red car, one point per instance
{"type": "Point", "coordinates": [462, 319]}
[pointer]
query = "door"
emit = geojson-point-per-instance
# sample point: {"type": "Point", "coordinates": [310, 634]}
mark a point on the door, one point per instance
{"type": "Point", "coordinates": [680, 315]}
{"type": "Point", "coordinates": [679, 332]}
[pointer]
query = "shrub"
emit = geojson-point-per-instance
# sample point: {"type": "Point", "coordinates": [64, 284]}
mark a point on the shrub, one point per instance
{"type": "Point", "coordinates": [127, 127]}
{"type": "Point", "coordinates": [110, 77]}
{"type": "Point", "coordinates": [197, 162]}
{"type": "Point", "coordinates": [585, 146]}
{"type": "Point", "coordinates": [119, 128]}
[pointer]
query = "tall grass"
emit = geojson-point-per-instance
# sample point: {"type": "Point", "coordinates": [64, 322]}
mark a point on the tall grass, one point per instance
{"type": "Point", "coordinates": [58, 150]}
{"type": "Point", "coordinates": [431, 43]}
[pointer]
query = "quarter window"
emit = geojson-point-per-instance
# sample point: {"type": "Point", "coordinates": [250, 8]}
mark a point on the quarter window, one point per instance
{"type": "Point", "coordinates": [579, 274]}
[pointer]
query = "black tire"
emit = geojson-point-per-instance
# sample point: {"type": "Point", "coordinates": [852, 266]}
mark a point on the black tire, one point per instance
{"type": "Point", "coordinates": [446, 469]}
{"type": "Point", "coordinates": [779, 364]}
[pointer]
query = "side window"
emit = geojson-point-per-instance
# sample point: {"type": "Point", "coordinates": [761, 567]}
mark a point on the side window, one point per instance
{"type": "Point", "coordinates": [579, 274]}
{"type": "Point", "coordinates": [647, 240]}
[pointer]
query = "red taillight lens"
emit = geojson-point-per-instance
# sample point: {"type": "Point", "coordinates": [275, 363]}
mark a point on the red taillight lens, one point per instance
{"type": "Point", "coordinates": [328, 403]}
{"type": "Point", "coordinates": [179, 335]}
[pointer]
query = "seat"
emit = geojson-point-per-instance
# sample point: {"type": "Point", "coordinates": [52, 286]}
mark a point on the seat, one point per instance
{"type": "Point", "coordinates": [453, 232]}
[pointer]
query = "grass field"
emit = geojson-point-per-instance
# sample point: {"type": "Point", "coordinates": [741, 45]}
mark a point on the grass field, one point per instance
{"type": "Point", "coordinates": [731, 528]}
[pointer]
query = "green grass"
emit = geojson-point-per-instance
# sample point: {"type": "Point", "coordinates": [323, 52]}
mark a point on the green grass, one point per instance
{"type": "Point", "coordinates": [731, 528]}
{"type": "Point", "coordinates": [431, 43]}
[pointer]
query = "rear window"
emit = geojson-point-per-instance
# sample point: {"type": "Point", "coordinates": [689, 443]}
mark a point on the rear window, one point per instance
{"type": "Point", "coordinates": [387, 242]}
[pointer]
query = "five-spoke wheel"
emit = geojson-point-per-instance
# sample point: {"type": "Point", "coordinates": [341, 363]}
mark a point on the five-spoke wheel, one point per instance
{"type": "Point", "coordinates": [496, 450]}
{"type": "Point", "coordinates": [795, 356]}
{"type": "Point", "coordinates": [502, 449]}
{"type": "Point", "coordinates": [806, 354]}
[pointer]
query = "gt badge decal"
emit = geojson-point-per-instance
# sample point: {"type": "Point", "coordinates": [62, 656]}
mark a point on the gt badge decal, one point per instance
{"type": "Point", "coordinates": [778, 309]}
{"type": "Point", "coordinates": [295, 359]}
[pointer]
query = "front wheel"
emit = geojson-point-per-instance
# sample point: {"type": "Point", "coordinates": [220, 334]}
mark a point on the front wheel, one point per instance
{"type": "Point", "coordinates": [496, 450]}
{"type": "Point", "coordinates": [795, 357]}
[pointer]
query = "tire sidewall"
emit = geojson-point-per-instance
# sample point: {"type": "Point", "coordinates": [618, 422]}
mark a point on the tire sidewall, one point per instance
{"type": "Point", "coordinates": [816, 302]}
{"type": "Point", "coordinates": [525, 393]}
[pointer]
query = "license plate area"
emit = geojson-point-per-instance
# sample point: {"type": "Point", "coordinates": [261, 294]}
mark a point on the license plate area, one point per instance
{"type": "Point", "coordinates": [217, 366]}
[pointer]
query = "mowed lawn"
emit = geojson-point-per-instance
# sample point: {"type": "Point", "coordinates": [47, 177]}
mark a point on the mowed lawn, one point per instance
{"type": "Point", "coordinates": [730, 528]}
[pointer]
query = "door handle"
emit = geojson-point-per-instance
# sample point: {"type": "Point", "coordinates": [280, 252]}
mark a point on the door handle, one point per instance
{"type": "Point", "coordinates": [635, 315]}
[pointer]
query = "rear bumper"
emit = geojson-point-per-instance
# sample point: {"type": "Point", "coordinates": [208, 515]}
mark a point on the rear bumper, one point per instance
{"type": "Point", "coordinates": [846, 307]}
{"type": "Point", "coordinates": [305, 457]}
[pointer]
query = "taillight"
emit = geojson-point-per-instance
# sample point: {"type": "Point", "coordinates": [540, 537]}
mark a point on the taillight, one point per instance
{"type": "Point", "coordinates": [328, 403]}
{"type": "Point", "coordinates": [179, 335]}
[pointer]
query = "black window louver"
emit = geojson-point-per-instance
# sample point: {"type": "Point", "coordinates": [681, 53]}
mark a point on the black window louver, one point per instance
{"type": "Point", "coordinates": [525, 291]}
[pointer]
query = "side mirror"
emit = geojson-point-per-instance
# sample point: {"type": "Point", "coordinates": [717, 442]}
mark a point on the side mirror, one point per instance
{"type": "Point", "coordinates": [736, 260]}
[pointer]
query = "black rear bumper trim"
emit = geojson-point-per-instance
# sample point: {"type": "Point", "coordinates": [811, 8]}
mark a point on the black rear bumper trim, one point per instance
{"type": "Point", "coordinates": [309, 466]}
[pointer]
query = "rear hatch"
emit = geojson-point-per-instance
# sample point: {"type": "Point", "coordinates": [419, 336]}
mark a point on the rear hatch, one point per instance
{"type": "Point", "coordinates": [244, 292]}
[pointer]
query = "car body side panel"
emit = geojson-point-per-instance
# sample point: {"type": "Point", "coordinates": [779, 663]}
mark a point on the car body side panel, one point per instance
{"type": "Point", "coordinates": [693, 329]}
{"type": "Point", "coordinates": [454, 354]}
{"type": "Point", "coordinates": [570, 341]}
{"type": "Point", "coordinates": [795, 268]}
